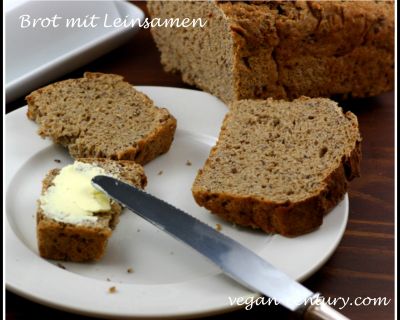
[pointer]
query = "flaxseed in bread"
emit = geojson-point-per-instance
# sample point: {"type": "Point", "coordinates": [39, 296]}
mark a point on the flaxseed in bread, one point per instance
{"type": "Point", "coordinates": [85, 241]}
{"type": "Point", "coordinates": [280, 166]}
{"type": "Point", "coordinates": [280, 49]}
{"type": "Point", "coordinates": [102, 116]}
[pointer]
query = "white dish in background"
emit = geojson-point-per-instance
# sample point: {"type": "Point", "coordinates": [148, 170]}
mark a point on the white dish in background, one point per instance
{"type": "Point", "coordinates": [35, 56]}
{"type": "Point", "coordinates": [169, 278]}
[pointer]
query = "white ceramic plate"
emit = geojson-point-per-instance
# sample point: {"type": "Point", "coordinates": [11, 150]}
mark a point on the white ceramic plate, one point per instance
{"type": "Point", "coordinates": [169, 279]}
{"type": "Point", "coordinates": [37, 55]}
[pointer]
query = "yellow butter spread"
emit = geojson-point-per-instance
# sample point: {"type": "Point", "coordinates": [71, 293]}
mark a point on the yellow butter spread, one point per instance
{"type": "Point", "coordinates": [72, 198]}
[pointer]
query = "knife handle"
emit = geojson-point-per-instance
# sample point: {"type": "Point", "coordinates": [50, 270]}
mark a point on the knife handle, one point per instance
{"type": "Point", "coordinates": [319, 310]}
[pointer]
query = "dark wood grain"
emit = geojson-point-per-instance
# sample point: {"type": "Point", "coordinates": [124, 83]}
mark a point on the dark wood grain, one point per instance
{"type": "Point", "coordinates": [363, 264]}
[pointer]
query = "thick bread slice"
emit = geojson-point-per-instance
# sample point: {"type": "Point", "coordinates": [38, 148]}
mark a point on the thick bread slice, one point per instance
{"type": "Point", "coordinates": [280, 166]}
{"type": "Point", "coordinates": [86, 241]}
{"type": "Point", "coordinates": [102, 116]}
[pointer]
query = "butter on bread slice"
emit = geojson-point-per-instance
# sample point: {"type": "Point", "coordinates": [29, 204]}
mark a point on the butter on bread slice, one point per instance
{"type": "Point", "coordinates": [83, 237]}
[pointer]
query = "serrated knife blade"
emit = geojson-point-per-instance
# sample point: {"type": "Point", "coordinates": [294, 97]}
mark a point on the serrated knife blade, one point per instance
{"type": "Point", "coordinates": [235, 260]}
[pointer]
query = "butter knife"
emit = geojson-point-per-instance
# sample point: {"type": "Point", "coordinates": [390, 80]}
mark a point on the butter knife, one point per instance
{"type": "Point", "coordinates": [235, 260]}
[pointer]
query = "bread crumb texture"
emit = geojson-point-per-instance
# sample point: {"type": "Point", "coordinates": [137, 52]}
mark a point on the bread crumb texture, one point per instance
{"type": "Point", "coordinates": [280, 166]}
{"type": "Point", "coordinates": [102, 116]}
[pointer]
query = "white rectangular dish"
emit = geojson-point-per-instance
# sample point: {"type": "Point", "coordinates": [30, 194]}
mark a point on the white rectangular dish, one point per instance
{"type": "Point", "coordinates": [35, 55]}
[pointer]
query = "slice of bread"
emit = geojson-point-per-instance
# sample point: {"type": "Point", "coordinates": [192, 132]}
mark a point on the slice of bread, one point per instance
{"type": "Point", "coordinates": [102, 116]}
{"type": "Point", "coordinates": [280, 166]}
{"type": "Point", "coordinates": [85, 241]}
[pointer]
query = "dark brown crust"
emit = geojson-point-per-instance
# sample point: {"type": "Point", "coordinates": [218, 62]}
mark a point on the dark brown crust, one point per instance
{"type": "Point", "coordinates": [79, 243]}
{"type": "Point", "coordinates": [311, 48]}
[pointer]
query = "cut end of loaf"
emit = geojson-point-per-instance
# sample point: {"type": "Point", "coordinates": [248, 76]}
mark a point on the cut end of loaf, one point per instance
{"type": "Point", "coordinates": [203, 56]}
{"type": "Point", "coordinates": [280, 49]}
{"type": "Point", "coordinates": [280, 166]}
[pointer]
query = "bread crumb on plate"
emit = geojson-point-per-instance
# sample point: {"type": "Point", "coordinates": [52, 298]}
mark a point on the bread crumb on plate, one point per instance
{"type": "Point", "coordinates": [112, 290]}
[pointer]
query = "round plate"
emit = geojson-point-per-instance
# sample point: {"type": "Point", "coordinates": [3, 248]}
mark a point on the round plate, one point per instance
{"type": "Point", "coordinates": [169, 279]}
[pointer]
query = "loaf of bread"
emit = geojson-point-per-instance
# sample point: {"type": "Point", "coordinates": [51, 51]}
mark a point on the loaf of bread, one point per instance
{"type": "Point", "coordinates": [85, 240]}
{"type": "Point", "coordinates": [280, 166]}
{"type": "Point", "coordinates": [102, 116]}
{"type": "Point", "coordinates": [280, 49]}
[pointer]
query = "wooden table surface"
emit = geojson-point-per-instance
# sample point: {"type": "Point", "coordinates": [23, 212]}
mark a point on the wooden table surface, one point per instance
{"type": "Point", "coordinates": [363, 264]}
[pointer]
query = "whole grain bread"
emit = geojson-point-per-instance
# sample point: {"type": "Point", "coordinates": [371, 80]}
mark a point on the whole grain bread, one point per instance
{"type": "Point", "coordinates": [280, 49]}
{"type": "Point", "coordinates": [86, 241]}
{"type": "Point", "coordinates": [280, 166]}
{"type": "Point", "coordinates": [102, 116]}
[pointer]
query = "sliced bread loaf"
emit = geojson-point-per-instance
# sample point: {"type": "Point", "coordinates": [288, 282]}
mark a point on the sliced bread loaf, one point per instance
{"type": "Point", "coordinates": [62, 238]}
{"type": "Point", "coordinates": [280, 166]}
{"type": "Point", "coordinates": [280, 49]}
{"type": "Point", "coordinates": [102, 116]}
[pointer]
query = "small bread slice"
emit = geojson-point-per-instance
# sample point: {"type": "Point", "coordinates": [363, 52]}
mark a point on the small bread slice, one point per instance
{"type": "Point", "coordinates": [102, 116]}
{"type": "Point", "coordinates": [280, 166]}
{"type": "Point", "coordinates": [84, 241]}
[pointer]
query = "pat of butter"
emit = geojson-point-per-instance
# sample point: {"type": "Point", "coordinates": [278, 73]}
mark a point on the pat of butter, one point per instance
{"type": "Point", "coordinates": [72, 198]}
